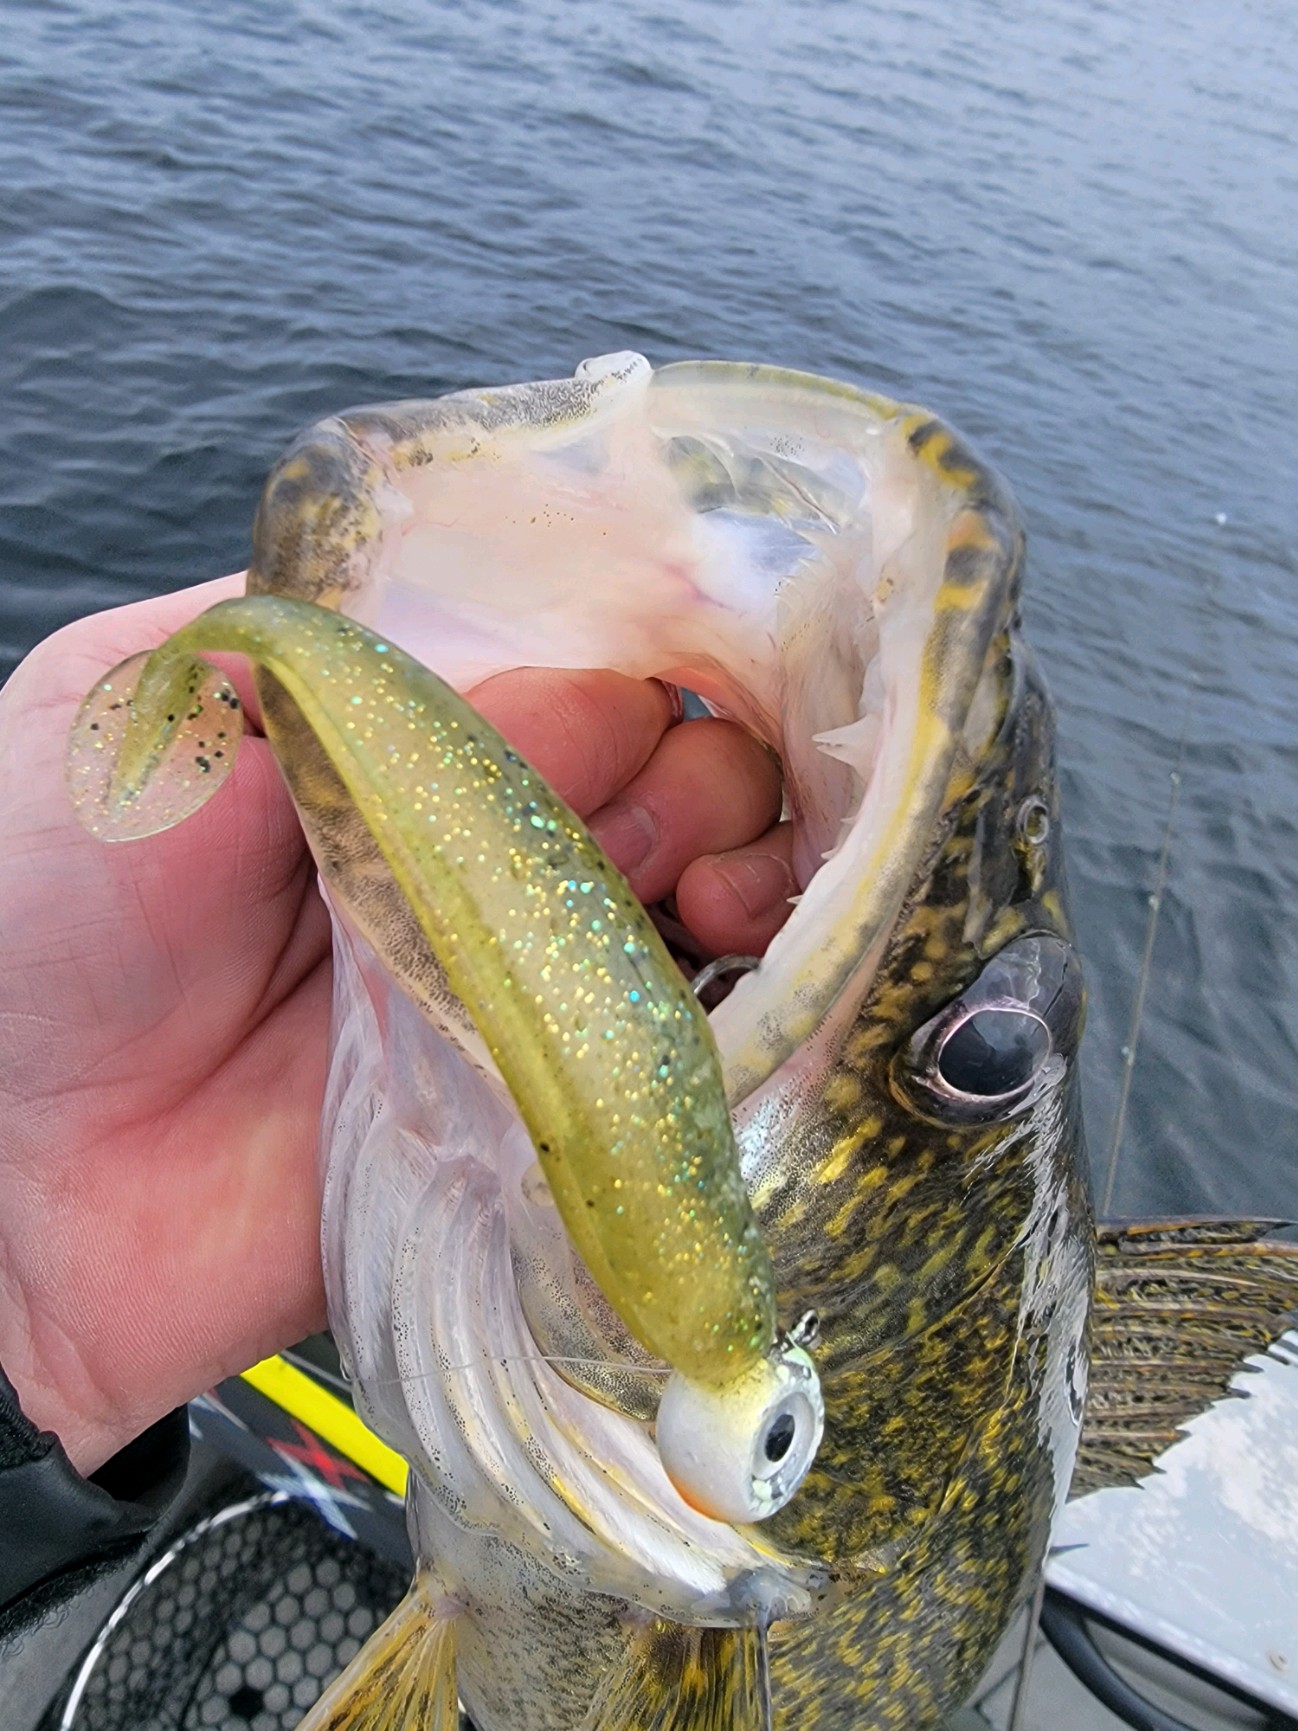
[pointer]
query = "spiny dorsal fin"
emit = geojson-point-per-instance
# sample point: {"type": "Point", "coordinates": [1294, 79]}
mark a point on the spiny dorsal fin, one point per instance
{"type": "Point", "coordinates": [403, 1676]}
{"type": "Point", "coordinates": [681, 1679]}
{"type": "Point", "coordinates": [1178, 1305]}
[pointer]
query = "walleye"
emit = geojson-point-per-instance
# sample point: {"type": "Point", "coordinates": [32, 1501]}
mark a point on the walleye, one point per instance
{"type": "Point", "coordinates": [739, 1360]}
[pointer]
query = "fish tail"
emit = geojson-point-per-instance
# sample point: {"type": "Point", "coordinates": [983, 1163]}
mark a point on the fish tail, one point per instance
{"type": "Point", "coordinates": [404, 1675]}
{"type": "Point", "coordinates": [683, 1679]}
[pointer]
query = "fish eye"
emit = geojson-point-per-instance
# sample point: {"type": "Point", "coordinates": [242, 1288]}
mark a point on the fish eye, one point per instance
{"type": "Point", "coordinates": [1009, 1034]}
{"type": "Point", "coordinates": [993, 1053]}
{"type": "Point", "coordinates": [738, 1453]}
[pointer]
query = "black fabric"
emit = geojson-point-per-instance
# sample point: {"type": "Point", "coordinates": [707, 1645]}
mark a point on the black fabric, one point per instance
{"type": "Point", "coordinates": [19, 1437]}
{"type": "Point", "coordinates": [56, 1525]}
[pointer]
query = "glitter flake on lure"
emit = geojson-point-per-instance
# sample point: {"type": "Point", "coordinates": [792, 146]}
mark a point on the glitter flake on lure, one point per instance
{"type": "Point", "coordinates": [548, 1180]}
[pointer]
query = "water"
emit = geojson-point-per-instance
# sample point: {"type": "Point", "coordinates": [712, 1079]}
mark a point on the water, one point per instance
{"type": "Point", "coordinates": [1069, 227]}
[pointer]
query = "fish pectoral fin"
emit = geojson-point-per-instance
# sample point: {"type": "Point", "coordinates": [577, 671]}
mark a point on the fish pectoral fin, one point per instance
{"type": "Point", "coordinates": [1178, 1305]}
{"type": "Point", "coordinates": [676, 1678]}
{"type": "Point", "coordinates": [403, 1676]}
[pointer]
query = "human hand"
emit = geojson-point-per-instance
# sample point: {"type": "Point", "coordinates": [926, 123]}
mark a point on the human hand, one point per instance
{"type": "Point", "coordinates": [164, 1016]}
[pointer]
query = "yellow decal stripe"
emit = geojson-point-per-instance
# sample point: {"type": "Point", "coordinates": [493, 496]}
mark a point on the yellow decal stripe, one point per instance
{"type": "Point", "coordinates": [330, 1418]}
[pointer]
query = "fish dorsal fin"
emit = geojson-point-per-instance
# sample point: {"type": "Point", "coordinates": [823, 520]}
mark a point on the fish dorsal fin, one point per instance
{"type": "Point", "coordinates": [1178, 1305]}
{"type": "Point", "coordinates": [404, 1675]}
{"type": "Point", "coordinates": [676, 1678]}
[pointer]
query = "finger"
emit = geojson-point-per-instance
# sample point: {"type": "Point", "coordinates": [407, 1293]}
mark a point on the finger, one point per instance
{"type": "Point", "coordinates": [735, 902]}
{"type": "Point", "coordinates": [708, 788]}
{"type": "Point", "coordinates": [588, 731]}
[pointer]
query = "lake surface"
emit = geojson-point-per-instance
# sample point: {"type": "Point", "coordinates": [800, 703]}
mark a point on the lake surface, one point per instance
{"type": "Point", "coordinates": [1070, 228]}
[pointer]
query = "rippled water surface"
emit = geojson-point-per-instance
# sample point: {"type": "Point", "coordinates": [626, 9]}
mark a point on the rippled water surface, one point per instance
{"type": "Point", "coordinates": [1068, 227]}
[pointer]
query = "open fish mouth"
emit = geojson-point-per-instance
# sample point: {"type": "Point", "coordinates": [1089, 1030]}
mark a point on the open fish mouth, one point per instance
{"type": "Point", "coordinates": [823, 565]}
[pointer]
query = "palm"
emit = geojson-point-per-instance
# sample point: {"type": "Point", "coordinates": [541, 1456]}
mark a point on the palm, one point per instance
{"type": "Point", "coordinates": [164, 1009]}
{"type": "Point", "coordinates": [162, 1016]}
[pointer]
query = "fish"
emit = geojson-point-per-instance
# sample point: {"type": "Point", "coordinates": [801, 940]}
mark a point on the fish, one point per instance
{"type": "Point", "coordinates": [740, 1356]}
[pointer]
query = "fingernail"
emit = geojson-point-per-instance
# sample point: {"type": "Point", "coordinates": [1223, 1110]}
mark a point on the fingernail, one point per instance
{"type": "Point", "coordinates": [760, 880]}
{"type": "Point", "coordinates": [626, 832]}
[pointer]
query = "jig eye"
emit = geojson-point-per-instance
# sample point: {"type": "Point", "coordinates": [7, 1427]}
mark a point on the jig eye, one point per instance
{"type": "Point", "coordinates": [738, 1453]}
{"type": "Point", "coordinates": [993, 1053]}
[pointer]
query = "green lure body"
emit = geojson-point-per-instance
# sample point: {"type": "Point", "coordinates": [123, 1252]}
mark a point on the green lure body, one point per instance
{"type": "Point", "coordinates": [596, 1034]}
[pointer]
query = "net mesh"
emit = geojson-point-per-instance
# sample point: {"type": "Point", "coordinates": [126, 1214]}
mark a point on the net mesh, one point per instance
{"type": "Point", "coordinates": [239, 1630]}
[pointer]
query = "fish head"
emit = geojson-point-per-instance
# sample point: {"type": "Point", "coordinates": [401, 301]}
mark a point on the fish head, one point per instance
{"type": "Point", "coordinates": [840, 573]}
{"type": "Point", "coordinates": [862, 1126]}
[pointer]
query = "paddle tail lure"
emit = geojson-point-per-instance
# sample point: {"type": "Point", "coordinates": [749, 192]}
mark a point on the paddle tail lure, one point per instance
{"type": "Point", "coordinates": [594, 1030]}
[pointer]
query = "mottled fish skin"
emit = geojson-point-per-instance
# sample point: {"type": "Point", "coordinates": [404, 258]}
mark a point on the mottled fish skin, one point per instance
{"type": "Point", "coordinates": [941, 1236]}
{"type": "Point", "coordinates": [941, 1397]}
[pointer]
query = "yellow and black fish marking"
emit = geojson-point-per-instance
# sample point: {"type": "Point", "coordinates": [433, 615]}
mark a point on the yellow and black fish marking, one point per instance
{"type": "Point", "coordinates": [934, 1489]}
{"type": "Point", "coordinates": [1178, 1306]}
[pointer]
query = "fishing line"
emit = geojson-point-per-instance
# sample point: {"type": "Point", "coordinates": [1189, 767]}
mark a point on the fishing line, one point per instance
{"type": "Point", "coordinates": [503, 1359]}
{"type": "Point", "coordinates": [507, 1358]}
{"type": "Point", "coordinates": [1142, 979]}
{"type": "Point", "coordinates": [1156, 907]}
{"type": "Point", "coordinates": [1018, 1709]}
{"type": "Point", "coordinates": [309, 1368]}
